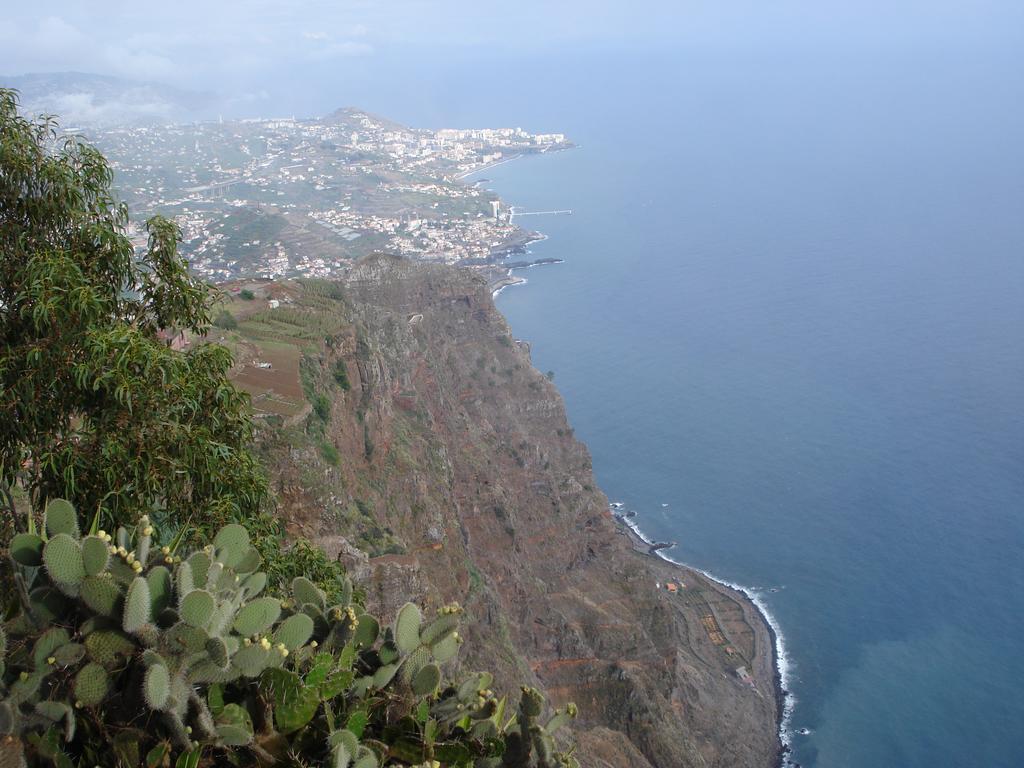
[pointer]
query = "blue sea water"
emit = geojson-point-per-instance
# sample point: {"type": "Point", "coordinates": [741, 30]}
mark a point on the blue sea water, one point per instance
{"type": "Point", "coordinates": [790, 327]}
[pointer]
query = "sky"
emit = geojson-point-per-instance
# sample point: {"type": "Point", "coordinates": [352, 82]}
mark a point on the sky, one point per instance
{"type": "Point", "coordinates": [258, 53]}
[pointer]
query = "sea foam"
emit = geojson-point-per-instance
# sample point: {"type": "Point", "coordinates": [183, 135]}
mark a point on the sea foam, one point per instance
{"type": "Point", "coordinates": [783, 664]}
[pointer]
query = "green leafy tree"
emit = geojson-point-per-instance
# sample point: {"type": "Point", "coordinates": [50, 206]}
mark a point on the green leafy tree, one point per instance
{"type": "Point", "coordinates": [94, 405]}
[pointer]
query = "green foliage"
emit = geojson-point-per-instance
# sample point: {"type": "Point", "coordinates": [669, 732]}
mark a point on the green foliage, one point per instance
{"type": "Point", "coordinates": [322, 407]}
{"type": "Point", "coordinates": [330, 453]}
{"type": "Point", "coordinates": [126, 423]}
{"type": "Point", "coordinates": [190, 664]}
{"type": "Point", "coordinates": [340, 373]}
{"type": "Point", "coordinates": [246, 294]}
{"type": "Point", "coordinates": [225, 321]}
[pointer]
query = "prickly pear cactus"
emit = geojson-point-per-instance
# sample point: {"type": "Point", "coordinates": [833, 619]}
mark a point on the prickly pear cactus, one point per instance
{"type": "Point", "coordinates": [183, 653]}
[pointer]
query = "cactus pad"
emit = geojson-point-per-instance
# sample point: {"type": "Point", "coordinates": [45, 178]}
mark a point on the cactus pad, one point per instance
{"type": "Point", "coordinates": [426, 680]}
{"type": "Point", "coordinates": [185, 638]}
{"type": "Point", "coordinates": [217, 650]}
{"type": "Point", "coordinates": [305, 591]}
{"type": "Point", "coordinates": [91, 684]}
{"type": "Point", "coordinates": [414, 662]}
{"type": "Point", "coordinates": [531, 703]}
{"type": "Point", "coordinates": [254, 584]}
{"type": "Point", "coordinates": [388, 653]}
{"type": "Point", "coordinates": [197, 608]}
{"type": "Point", "coordinates": [27, 549]}
{"type": "Point", "coordinates": [160, 589]}
{"type": "Point", "coordinates": [94, 555]}
{"type": "Point", "coordinates": [251, 660]}
{"type": "Point", "coordinates": [48, 642]}
{"type": "Point", "coordinates": [61, 518]}
{"type": "Point", "coordinates": [234, 726]}
{"type": "Point", "coordinates": [231, 544]}
{"type": "Point", "coordinates": [68, 655]}
{"type": "Point", "coordinates": [345, 583]}
{"type": "Point", "coordinates": [102, 594]}
{"type": "Point", "coordinates": [249, 563]}
{"type": "Point", "coordinates": [258, 616]}
{"type": "Point", "coordinates": [384, 675]}
{"type": "Point", "coordinates": [137, 606]}
{"type": "Point", "coordinates": [157, 686]}
{"type": "Point", "coordinates": [199, 563]}
{"type": "Point", "coordinates": [366, 631]}
{"type": "Point", "coordinates": [445, 650]}
{"type": "Point", "coordinates": [294, 631]}
{"type": "Point", "coordinates": [108, 648]}
{"type": "Point", "coordinates": [184, 578]}
{"type": "Point", "coordinates": [439, 629]}
{"type": "Point", "coordinates": [407, 627]}
{"type": "Point", "coordinates": [62, 557]}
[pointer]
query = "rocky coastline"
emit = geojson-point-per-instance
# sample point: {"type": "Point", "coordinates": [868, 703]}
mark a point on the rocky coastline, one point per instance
{"type": "Point", "coordinates": [643, 545]}
{"type": "Point", "coordinates": [459, 449]}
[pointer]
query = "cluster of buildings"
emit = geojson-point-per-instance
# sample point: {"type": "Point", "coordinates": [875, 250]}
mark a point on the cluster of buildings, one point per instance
{"type": "Point", "coordinates": [285, 197]}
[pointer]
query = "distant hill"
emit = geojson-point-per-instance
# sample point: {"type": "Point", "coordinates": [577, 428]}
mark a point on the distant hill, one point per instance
{"type": "Point", "coordinates": [354, 116]}
{"type": "Point", "coordinates": [84, 99]}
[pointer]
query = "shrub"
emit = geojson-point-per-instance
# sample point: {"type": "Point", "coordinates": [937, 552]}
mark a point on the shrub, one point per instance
{"type": "Point", "coordinates": [330, 454]}
{"type": "Point", "coordinates": [246, 294]}
{"type": "Point", "coordinates": [322, 407]}
{"type": "Point", "coordinates": [225, 320]}
{"type": "Point", "coordinates": [341, 375]}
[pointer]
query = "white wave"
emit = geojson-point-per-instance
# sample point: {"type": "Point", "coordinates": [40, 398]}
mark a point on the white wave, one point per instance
{"type": "Point", "coordinates": [520, 281]}
{"type": "Point", "coordinates": [783, 664]}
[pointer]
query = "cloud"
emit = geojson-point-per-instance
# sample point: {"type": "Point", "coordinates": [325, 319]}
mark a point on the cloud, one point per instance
{"type": "Point", "coordinates": [245, 99]}
{"type": "Point", "coordinates": [53, 33]}
{"type": "Point", "coordinates": [86, 108]}
{"type": "Point", "coordinates": [137, 63]}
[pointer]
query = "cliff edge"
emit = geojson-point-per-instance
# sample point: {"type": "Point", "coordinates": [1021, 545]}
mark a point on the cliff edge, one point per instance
{"type": "Point", "coordinates": [447, 461]}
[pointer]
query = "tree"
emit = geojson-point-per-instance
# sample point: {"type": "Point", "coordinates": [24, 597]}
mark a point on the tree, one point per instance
{"type": "Point", "coordinates": [94, 406]}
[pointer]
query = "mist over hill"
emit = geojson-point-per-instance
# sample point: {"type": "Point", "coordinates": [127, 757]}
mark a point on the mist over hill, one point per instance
{"type": "Point", "coordinates": [85, 99]}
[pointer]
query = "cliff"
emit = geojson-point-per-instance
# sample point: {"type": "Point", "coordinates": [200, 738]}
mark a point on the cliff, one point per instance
{"type": "Point", "coordinates": [457, 477]}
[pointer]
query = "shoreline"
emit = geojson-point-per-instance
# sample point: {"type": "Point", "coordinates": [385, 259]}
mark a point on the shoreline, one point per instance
{"type": "Point", "coordinates": [784, 699]}
{"type": "Point", "coordinates": [466, 174]}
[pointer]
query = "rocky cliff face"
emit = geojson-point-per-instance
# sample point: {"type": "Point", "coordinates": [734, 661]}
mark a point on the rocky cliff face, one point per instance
{"type": "Point", "coordinates": [456, 452]}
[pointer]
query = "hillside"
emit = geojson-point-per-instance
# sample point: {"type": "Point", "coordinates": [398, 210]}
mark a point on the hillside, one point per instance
{"type": "Point", "coordinates": [431, 456]}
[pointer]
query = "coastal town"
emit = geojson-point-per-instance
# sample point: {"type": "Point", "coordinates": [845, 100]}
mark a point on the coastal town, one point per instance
{"type": "Point", "coordinates": [287, 197]}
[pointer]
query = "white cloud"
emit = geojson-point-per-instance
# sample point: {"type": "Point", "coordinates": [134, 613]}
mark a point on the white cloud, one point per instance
{"type": "Point", "coordinates": [138, 64]}
{"type": "Point", "coordinates": [53, 33]}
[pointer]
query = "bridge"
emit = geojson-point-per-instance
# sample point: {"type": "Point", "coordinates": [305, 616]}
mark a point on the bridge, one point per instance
{"type": "Point", "coordinates": [215, 187]}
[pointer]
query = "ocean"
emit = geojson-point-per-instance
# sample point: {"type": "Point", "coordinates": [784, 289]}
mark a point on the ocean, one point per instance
{"type": "Point", "coordinates": [790, 327]}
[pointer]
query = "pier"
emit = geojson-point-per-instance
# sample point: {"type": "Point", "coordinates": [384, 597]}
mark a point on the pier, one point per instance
{"type": "Point", "coordinates": [513, 213]}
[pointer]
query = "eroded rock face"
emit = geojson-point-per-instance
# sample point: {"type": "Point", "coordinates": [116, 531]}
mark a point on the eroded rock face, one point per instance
{"type": "Point", "coordinates": [462, 450]}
